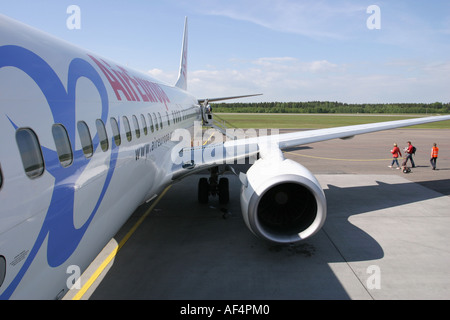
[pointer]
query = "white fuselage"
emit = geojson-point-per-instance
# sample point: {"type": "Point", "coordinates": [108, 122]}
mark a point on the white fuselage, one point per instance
{"type": "Point", "coordinates": [60, 212]}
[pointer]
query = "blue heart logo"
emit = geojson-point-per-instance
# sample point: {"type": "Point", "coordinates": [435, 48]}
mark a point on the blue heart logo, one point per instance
{"type": "Point", "coordinates": [58, 226]}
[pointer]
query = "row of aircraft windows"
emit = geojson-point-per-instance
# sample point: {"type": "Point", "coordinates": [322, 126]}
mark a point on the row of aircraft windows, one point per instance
{"type": "Point", "coordinates": [31, 153]}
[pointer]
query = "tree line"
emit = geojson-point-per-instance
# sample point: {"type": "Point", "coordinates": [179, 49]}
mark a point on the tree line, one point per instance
{"type": "Point", "coordinates": [331, 107]}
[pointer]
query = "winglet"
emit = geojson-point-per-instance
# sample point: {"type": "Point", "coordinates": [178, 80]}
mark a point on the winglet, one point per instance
{"type": "Point", "coordinates": [182, 76]}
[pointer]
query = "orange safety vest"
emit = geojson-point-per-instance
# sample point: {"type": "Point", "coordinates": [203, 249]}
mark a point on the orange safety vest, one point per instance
{"type": "Point", "coordinates": [434, 152]}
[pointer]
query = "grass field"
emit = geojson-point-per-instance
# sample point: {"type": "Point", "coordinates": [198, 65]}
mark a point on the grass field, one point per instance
{"type": "Point", "coordinates": [312, 121]}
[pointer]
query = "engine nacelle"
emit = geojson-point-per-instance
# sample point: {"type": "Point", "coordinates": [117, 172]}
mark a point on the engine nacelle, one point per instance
{"type": "Point", "coordinates": [282, 201]}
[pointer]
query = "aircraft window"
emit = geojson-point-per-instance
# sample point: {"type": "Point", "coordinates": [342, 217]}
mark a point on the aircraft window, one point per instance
{"type": "Point", "coordinates": [168, 120]}
{"type": "Point", "coordinates": [2, 269]}
{"type": "Point", "coordinates": [151, 122]}
{"type": "Point", "coordinates": [126, 124]}
{"type": "Point", "coordinates": [156, 121]}
{"type": "Point", "coordinates": [1, 177]}
{"type": "Point", "coordinates": [85, 138]}
{"type": "Point", "coordinates": [102, 135]}
{"type": "Point", "coordinates": [136, 127]}
{"type": "Point", "coordinates": [160, 120]}
{"type": "Point", "coordinates": [116, 131]}
{"type": "Point", "coordinates": [63, 147]}
{"type": "Point", "coordinates": [144, 124]}
{"type": "Point", "coordinates": [31, 153]}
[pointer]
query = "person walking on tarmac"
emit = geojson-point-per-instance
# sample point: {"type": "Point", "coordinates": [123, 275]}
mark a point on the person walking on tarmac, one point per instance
{"type": "Point", "coordinates": [395, 153]}
{"type": "Point", "coordinates": [410, 150]}
{"type": "Point", "coordinates": [434, 155]}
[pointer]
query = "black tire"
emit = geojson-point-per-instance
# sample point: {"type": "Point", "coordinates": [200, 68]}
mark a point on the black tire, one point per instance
{"type": "Point", "coordinates": [224, 191]}
{"type": "Point", "coordinates": [203, 190]}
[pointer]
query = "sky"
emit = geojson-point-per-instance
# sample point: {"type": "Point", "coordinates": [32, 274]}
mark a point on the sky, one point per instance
{"type": "Point", "coordinates": [350, 51]}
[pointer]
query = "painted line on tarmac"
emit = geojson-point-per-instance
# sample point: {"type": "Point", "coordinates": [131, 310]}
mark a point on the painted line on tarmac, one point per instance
{"type": "Point", "coordinates": [336, 159]}
{"type": "Point", "coordinates": [114, 252]}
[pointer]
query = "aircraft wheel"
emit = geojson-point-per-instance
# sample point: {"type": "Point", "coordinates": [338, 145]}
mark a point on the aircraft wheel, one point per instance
{"type": "Point", "coordinates": [203, 190]}
{"type": "Point", "coordinates": [224, 191]}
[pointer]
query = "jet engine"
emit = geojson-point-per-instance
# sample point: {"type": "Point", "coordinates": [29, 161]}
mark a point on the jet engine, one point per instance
{"type": "Point", "coordinates": [282, 201]}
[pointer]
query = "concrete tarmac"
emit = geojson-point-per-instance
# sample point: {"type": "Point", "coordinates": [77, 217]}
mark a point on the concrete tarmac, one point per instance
{"type": "Point", "coordinates": [386, 235]}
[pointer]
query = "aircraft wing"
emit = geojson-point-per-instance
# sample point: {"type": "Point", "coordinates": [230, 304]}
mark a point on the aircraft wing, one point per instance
{"type": "Point", "coordinates": [195, 159]}
{"type": "Point", "coordinates": [200, 101]}
{"type": "Point", "coordinates": [305, 137]}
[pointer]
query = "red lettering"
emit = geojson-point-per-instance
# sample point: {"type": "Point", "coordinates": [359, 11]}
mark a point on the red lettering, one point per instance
{"type": "Point", "coordinates": [147, 94]}
{"type": "Point", "coordinates": [132, 82]}
{"type": "Point", "coordinates": [121, 80]}
{"type": "Point", "coordinates": [124, 83]}
{"type": "Point", "coordinates": [157, 91]}
{"type": "Point", "coordinates": [115, 84]}
{"type": "Point", "coordinates": [143, 95]}
{"type": "Point", "coordinates": [148, 89]}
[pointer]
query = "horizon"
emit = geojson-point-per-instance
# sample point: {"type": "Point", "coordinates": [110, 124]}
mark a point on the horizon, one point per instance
{"type": "Point", "coordinates": [370, 52]}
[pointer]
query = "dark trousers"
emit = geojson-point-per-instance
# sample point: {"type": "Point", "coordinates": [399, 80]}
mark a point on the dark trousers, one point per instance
{"type": "Point", "coordinates": [433, 163]}
{"type": "Point", "coordinates": [409, 156]}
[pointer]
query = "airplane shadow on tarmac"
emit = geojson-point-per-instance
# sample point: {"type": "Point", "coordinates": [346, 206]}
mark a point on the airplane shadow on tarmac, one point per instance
{"type": "Point", "coordinates": [188, 251]}
{"type": "Point", "coordinates": [384, 198]}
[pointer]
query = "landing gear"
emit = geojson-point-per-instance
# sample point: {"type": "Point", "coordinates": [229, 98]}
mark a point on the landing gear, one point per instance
{"type": "Point", "coordinates": [224, 192]}
{"type": "Point", "coordinates": [203, 190]}
{"type": "Point", "coordinates": [213, 187]}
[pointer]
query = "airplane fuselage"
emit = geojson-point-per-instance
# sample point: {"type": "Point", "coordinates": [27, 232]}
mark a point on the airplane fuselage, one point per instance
{"type": "Point", "coordinates": [84, 142]}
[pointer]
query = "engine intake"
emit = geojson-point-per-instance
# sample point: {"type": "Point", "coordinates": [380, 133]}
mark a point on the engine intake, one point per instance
{"type": "Point", "coordinates": [282, 201]}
